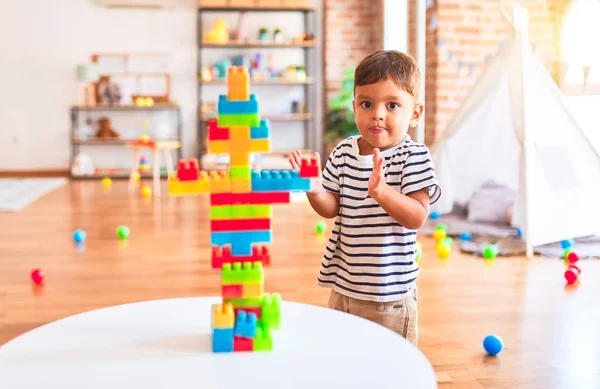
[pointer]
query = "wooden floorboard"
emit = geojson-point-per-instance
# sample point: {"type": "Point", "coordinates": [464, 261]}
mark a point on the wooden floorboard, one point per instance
{"type": "Point", "coordinates": [551, 333]}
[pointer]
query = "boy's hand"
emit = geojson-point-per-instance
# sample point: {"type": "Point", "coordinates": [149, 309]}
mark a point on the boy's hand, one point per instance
{"type": "Point", "coordinates": [296, 161]}
{"type": "Point", "coordinates": [377, 182]}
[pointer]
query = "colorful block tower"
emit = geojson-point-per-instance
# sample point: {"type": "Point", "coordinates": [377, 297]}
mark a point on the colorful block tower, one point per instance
{"type": "Point", "coordinates": [240, 216]}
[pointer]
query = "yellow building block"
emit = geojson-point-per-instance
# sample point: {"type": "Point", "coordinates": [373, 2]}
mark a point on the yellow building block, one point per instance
{"type": "Point", "coordinates": [208, 182]}
{"type": "Point", "coordinates": [238, 84]}
{"type": "Point", "coordinates": [222, 316]}
{"type": "Point", "coordinates": [252, 290]}
{"type": "Point", "coordinates": [240, 159]}
{"type": "Point", "coordinates": [260, 146]}
{"type": "Point", "coordinates": [241, 186]}
{"type": "Point", "coordinates": [219, 182]}
{"type": "Point", "coordinates": [218, 146]}
{"type": "Point", "coordinates": [239, 133]}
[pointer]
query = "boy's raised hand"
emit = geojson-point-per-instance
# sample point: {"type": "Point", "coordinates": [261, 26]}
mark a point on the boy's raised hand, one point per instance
{"type": "Point", "coordinates": [296, 161]}
{"type": "Point", "coordinates": [377, 179]}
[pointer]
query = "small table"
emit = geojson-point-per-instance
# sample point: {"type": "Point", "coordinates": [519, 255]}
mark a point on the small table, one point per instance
{"type": "Point", "coordinates": [167, 344]}
{"type": "Point", "coordinates": [156, 147]}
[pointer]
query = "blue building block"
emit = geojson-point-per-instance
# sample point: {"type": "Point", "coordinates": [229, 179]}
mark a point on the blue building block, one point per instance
{"type": "Point", "coordinates": [227, 107]}
{"type": "Point", "coordinates": [279, 180]}
{"type": "Point", "coordinates": [222, 340]}
{"type": "Point", "coordinates": [245, 324]}
{"type": "Point", "coordinates": [240, 241]}
{"type": "Point", "coordinates": [260, 132]}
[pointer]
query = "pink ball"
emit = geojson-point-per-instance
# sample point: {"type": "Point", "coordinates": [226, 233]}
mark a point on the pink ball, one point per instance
{"type": "Point", "coordinates": [37, 276]}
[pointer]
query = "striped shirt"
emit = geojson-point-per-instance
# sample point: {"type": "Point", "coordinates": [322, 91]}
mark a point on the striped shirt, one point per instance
{"type": "Point", "coordinates": [370, 256]}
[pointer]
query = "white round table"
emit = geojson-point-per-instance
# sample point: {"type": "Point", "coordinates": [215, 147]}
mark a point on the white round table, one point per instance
{"type": "Point", "coordinates": [167, 344]}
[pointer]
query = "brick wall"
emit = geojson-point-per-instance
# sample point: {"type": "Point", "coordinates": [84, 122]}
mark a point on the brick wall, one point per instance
{"type": "Point", "coordinates": [467, 33]}
{"type": "Point", "coordinates": [353, 29]}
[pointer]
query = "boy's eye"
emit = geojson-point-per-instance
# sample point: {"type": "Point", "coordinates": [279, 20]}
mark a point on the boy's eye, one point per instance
{"type": "Point", "coordinates": [393, 105]}
{"type": "Point", "coordinates": [366, 104]}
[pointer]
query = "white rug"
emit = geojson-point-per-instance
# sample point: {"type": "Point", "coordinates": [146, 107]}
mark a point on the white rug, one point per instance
{"type": "Point", "coordinates": [16, 194]}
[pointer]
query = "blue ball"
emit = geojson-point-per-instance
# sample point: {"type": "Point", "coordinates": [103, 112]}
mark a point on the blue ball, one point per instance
{"type": "Point", "coordinates": [465, 236]}
{"type": "Point", "coordinates": [434, 215]}
{"type": "Point", "coordinates": [79, 236]}
{"type": "Point", "coordinates": [566, 244]}
{"type": "Point", "coordinates": [492, 344]}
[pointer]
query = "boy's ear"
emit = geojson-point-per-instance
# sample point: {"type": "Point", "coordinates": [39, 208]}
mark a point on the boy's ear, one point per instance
{"type": "Point", "coordinates": [417, 113]}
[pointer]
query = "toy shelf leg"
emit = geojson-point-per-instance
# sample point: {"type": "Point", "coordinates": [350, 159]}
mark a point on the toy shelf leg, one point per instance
{"type": "Point", "coordinates": [134, 168]}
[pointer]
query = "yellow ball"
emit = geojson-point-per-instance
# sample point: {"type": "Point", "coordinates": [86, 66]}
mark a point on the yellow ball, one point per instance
{"type": "Point", "coordinates": [443, 250]}
{"type": "Point", "coordinates": [439, 234]}
{"type": "Point", "coordinates": [144, 138]}
{"type": "Point", "coordinates": [106, 182]}
{"type": "Point", "coordinates": [419, 252]}
{"type": "Point", "coordinates": [146, 191]}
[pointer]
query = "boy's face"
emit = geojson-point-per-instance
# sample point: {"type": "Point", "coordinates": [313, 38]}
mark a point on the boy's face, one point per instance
{"type": "Point", "coordinates": [383, 112]}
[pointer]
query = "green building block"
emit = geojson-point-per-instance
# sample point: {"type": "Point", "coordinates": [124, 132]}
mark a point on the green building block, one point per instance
{"type": "Point", "coordinates": [262, 338]}
{"type": "Point", "coordinates": [246, 273]}
{"type": "Point", "coordinates": [240, 172]}
{"type": "Point", "coordinates": [238, 120]}
{"type": "Point", "coordinates": [271, 310]}
{"type": "Point", "coordinates": [244, 303]}
{"type": "Point", "coordinates": [223, 212]}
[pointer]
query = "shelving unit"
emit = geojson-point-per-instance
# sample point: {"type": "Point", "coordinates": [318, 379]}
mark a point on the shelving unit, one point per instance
{"type": "Point", "coordinates": [312, 86]}
{"type": "Point", "coordinates": [77, 142]}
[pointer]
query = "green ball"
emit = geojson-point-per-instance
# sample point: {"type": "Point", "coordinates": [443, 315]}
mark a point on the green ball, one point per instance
{"type": "Point", "coordinates": [449, 241]}
{"type": "Point", "coordinates": [442, 226]}
{"type": "Point", "coordinates": [321, 227]}
{"type": "Point", "coordinates": [490, 251]}
{"type": "Point", "coordinates": [123, 232]}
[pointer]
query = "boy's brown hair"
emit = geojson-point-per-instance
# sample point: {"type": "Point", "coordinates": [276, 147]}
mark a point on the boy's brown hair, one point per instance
{"type": "Point", "coordinates": [392, 65]}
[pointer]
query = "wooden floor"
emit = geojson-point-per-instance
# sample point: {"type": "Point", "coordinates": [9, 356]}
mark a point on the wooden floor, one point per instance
{"type": "Point", "coordinates": [551, 333]}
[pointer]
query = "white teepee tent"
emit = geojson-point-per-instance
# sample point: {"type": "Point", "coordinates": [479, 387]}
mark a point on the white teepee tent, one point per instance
{"type": "Point", "coordinates": [515, 129]}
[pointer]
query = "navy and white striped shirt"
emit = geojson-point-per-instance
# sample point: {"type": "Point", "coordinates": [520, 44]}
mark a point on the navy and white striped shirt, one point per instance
{"type": "Point", "coordinates": [370, 256]}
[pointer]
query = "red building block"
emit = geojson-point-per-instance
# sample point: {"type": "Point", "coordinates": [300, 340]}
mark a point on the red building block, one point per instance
{"type": "Point", "coordinates": [240, 225]}
{"type": "Point", "coordinates": [215, 132]}
{"type": "Point", "coordinates": [188, 169]}
{"type": "Point", "coordinates": [221, 255]}
{"type": "Point", "coordinates": [231, 291]}
{"type": "Point", "coordinates": [242, 344]}
{"type": "Point", "coordinates": [309, 168]}
{"type": "Point", "coordinates": [256, 310]}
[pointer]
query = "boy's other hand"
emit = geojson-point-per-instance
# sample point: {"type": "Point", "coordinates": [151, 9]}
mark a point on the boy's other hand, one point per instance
{"type": "Point", "coordinates": [377, 179]}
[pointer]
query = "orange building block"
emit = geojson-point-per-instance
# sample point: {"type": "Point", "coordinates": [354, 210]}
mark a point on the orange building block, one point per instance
{"type": "Point", "coordinates": [240, 186]}
{"type": "Point", "coordinates": [252, 290]}
{"type": "Point", "coordinates": [238, 84]}
{"type": "Point", "coordinates": [239, 133]}
{"type": "Point", "coordinates": [241, 158]}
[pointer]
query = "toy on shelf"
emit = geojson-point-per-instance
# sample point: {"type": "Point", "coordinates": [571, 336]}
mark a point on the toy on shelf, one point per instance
{"type": "Point", "coordinates": [240, 216]}
{"type": "Point", "coordinates": [219, 33]}
{"type": "Point", "coordinates": [105, 129]}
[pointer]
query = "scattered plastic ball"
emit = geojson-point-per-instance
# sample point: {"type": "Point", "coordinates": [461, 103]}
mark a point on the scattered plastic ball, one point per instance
{"type": "Point", "coordinates": [492, 344]}
{"type": "Point", "coordinates": [566, 244]}
{"type": "Point", "coordinates": [439, 234]}
{"type": "Point", "coordinates": [146, 191]}
{"type": "Point", "coordinates": [320, 227]}
{"type": "Point", "coordinates": [465, 236]}
{"type": "Point", "coordinates": [123, 232]}
{"type": "Point", "coordinates": [519, 233]}
{"type": "Point", "coordinates": [442, 226]}
{"type": "Point", "coordinates": [448, 240]}
{"type": "Point", "coordinates": [572, 274]}
{"type": "Point", "coordinates": [434, 215]}
{"type": "Point", "coordinates": [572, 257]}
{"type": "Point", "coordinates": [79, 236]}
{"type": "Point", "coordinates": [443, 250]}
{"type": "Point", "coordinates": [37, 276]}
{"type": "Point", "coordinates": [490, 251]}
{"type": "Point", "coordinates": [106, 182]}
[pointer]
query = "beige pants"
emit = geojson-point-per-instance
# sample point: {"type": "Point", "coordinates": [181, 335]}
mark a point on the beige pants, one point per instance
{"type": "Point", "coordinates": [398, 316]}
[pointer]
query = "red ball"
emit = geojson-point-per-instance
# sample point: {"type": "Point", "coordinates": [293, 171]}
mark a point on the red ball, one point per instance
{"type": "Point", "coordinates": [572, 257]}
{"type": "Point", "coordinates": [37, 276]}
{"type": "Point", "coordinates": [572, 274]}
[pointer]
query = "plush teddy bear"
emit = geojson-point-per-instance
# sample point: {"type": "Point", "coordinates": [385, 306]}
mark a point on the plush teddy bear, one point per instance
{"type": "Point", "coordinates": [105, 130]}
